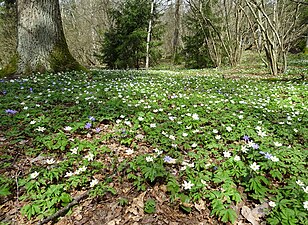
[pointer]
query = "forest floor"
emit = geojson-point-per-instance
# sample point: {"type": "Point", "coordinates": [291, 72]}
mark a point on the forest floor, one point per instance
{"type": "Point", "coordinates": [176, 147]}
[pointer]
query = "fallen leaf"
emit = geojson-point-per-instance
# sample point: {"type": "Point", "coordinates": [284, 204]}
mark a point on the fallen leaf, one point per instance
{"type": "Point", "coordinates": [78, 217]}
{"type": "Point", "coordinates": [137, 205]}
{"type": "Point", "coordinates": [37, 159]}
{"type": "Point", "coordinates": [139, 200]}
{"type": "Point", "coordinates": [139, 137]}
{"type": "Point", "coordinates": [246, 212]}
{"type": "Point", "coordinates": [259, 211]}
{"type": "Point", "coordinates": [113, 222]}
{"type": "Point", "coordinates": [200, 205]}
{"type": "Point", "coordinates": [126, 190]}
{"type": "Point", "coordinates": [242, 223]}
{"type": "Point", "coordinates": [23, 142]}
{"type": "Point", "coordinates": [163, 188]}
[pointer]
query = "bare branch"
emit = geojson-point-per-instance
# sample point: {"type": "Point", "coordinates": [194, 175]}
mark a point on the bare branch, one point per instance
{"type": "Point", "coordinates": [65, 209]}
{"type": "Point", "coordinates": [300, 2]}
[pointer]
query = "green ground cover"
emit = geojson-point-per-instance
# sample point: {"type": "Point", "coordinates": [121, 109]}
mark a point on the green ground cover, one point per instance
{"type": "Point", "coordinates": [207, 137]}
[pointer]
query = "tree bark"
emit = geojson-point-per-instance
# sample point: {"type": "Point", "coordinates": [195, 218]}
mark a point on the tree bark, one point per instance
{"type": "Point", "coordinates": [147, 59]}
{"type": "Point", "coordinates": [41, 45]}
{"type": "Point", "coordinates": [306, 48]}
{"type": "Point", "coordinates": [176, 34]}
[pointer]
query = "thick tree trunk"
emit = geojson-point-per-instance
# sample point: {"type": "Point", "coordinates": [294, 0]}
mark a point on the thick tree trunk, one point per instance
{"type": "Point", "coordinates": [41, 43]}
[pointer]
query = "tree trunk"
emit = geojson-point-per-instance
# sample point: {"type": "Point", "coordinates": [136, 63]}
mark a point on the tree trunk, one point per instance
{"type": "Point", "coordinates": [176, 35]}
{"type": "Point", "coordinates": [41, 43]}
{"type": "Point", "coordinates": [306, 48]}
{"type": "Point", "coordinates": [147, 59]}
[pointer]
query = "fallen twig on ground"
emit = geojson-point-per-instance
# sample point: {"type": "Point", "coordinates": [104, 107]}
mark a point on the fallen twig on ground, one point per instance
{"type": "Point", "coordinates": [65, 209]}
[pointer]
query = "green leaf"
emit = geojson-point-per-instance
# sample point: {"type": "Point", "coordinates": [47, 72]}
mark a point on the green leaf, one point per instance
{"type": "Point", "coordinates": [276, 174]}
{"type": "Point", "coordinates": [185, 202]}
{"type": "Point", "coordinates": [4, 190]}
{"type": "Point", "coordinates": [217, 206]}
{"type": "Point", "coordinates": [150, 206]}
{"type": "Point", "coordinates": [66, 198]}
{"type": "Point", "coordinates": [228, 215]}
{"type": "Point", "coordinates": [36, 209]}
{"type": "Point", "coordinates": [186, 208]}
{"type": "Point", "coordinates": [25, 210]}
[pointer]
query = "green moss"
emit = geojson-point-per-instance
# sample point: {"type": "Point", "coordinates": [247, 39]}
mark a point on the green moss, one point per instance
{"type": "Point", "coordinates": [306, 50]}
{"type": "Point", "coordinates": [11, 68]}
{"type": "Point", "coordinates": [62, 60]}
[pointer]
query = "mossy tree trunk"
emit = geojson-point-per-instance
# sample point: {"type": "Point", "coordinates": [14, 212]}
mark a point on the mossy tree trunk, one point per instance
{"type": "Point", "coordinates": [41, 43]}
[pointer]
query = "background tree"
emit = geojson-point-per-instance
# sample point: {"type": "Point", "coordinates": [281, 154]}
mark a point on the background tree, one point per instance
{"type": "Point", "coordinates": [177, 35]}
{"type": "Point", "coordinates": [223, 26]}
{"type": "Point", "coordinates": [174, 31]}
{"type": "Point", "coordinates": [202, 45]}
{"type": "Point", "coordinates": [147, 57]}
{"type": "Point", "coordinates": [211, 32]}
{"type": "Point", "coordinates": [279, 26]}
{"type": "Point", "coordinates": [8, 30]}
{"type": "Point", "coordinates": [41, 45]}
{"type": "Point", "coordinates": [124, 44]}
{"type": "Point", "coordinates": [84, 22]}
{"type": "Point", "coordinates": [197, 53]}
{"type": "Point", "coordinates": [302, 41]}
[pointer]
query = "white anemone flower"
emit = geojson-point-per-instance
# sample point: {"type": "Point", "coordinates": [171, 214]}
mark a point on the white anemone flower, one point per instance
{"type": "Point", "coordinates": [187, 185]}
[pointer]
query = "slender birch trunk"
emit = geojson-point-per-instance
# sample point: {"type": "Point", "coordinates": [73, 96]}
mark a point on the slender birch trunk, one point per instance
{"type": "Point", "coordinates": [147, 60]}
{"type": "Point", "coordinates": [306, 48]}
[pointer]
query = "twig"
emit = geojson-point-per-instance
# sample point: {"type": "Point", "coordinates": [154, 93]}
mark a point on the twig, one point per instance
{"type": "Point", "coordinates": [17, 193]}
{"type": "Point", "coordinates": [66, 208]}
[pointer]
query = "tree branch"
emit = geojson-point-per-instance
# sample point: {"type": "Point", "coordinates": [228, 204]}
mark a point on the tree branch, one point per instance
{"type": "Point", "coordinates": [300, 2]}
{"type": "Point", "coordinates": [65, 209]}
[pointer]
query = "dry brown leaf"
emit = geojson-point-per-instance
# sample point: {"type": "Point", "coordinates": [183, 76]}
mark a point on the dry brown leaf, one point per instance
{"type": "Point", "coordinates": [137, 218]}
{"type": "Point", "coordinates": [163, 188]}
{"type": "Point", "coordinates": [200, 205]}
{"type": "Point", "coordinates": [137, 205]}
{"type": "Point", "coordinates": [39, 158]}
{"type": "Point", "coordinates": [78, 217]}
{"type": "Point", "coordinates": [2, 138]}
{"type": "Point", "coordinates": [12, 211]}
{"type": "Point", "coordinates": [126, 190]}
{"type": "Point", "coordinates": [246, 212]}
{"type": "Point", "coordinates": [139, 200]}
{"type": "Point", "coordinates": [139, 136]}
{"type": "Point", "coordinates": [132, 210]}
{"type": "Point", "coordinates": [242, 223]}
{"type": "Point", "coordinates": [87, 202]}
{"type": "Point", "coordinates": [23, 142]}
{"type": "Point", "coordinates": [111, 222]}
{"type": "Point", "coordinates": [114, 222]}
{"type": "Point", "coordinates": [259, 211]}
